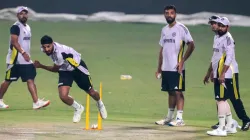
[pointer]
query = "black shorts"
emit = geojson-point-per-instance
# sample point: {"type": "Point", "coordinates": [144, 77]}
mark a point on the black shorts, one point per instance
{"type": "Point", "coordinates": [83, 80]}
{"type": "Point", "coordinates": [25, 71]}
{"type": "Point", "coordinates": [173, 81]}
{"type": "Point", "coordinates": [230, 91]}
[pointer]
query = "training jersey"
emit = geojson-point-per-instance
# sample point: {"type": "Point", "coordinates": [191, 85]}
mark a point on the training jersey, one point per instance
{"type": "Point", "coordinates": [24, 39]}
{"type": "Point", "coordinates": [65, 56]}
{"type": "Point", "coordinates": [173, 40]}
{"type": "Point", "coordinates": [224, 54]}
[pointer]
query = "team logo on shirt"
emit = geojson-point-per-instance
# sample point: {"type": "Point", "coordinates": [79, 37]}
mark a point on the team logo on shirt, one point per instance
{"type": "Point", "coordinates": [169, 40]}
{"type": "Point", "coordinates": [26, 38]}
{"type": "Point", "coordinates": [173, 34]}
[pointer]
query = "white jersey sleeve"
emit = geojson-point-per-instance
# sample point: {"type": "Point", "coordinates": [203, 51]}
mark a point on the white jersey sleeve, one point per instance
{"type": "Point", "coordinates": [229, 49]}
{"type": "Point", "coordinates": [161, 42]}
{"type": "Point", "coordinates": [186, 35]}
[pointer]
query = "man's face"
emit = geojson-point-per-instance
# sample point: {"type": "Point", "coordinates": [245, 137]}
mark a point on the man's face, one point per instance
{"type": "Point", "coordinates": [214, 26]}
{"type": "Point", "coordinates": [23, 16]}
{"type": "Point", "coordinates": [170, 15]}
{"type": "Point", "coordinates": [48, 48]}
{"type": "Point", "coordinates": [222, 29]}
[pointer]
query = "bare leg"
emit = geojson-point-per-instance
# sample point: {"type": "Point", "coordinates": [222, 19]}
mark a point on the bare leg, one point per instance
{"type": "Point", "coordinates": [4, 87]}
{"type": "Point", "coordinates": [32, 89]}
{"type": "Point", "coordinates": [64, 95]}
{"type": "Point", "coordinates": [94, 94]}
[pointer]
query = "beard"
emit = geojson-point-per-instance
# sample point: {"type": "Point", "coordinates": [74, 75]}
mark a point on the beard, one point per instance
{"type": "Point", "coordinates": [221, 33]}
{"type": "Point", "coordinates": [170, 20]}
{"type": "Point", "coordinates": [23, 20]}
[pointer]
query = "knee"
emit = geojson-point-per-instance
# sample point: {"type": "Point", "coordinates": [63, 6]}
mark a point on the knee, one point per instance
{"type": "Point", "coordinates": [30, 81]}
{"type": "Point", "coordinates": [91, 92]}
{"type": "Point", "coordinates": [63, 97]}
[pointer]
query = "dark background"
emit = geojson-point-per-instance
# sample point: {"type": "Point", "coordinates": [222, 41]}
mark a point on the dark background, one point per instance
{"type": "Point", "coordinates": [131, 6]}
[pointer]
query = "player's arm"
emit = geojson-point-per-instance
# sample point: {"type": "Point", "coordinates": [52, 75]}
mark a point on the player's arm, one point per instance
{"type": "Point", "coordinates": [161, 43]}
{"type": "Point", "coordinates": [160, 60]}
{"type": "Point", "coordinates": [229, 49]}
{"type": "Point", "coordinates": [189, 51]}
{"type": "Point", "coordinates": [15, 32]}
{"type": "Point", "coordinates": [54, 68]}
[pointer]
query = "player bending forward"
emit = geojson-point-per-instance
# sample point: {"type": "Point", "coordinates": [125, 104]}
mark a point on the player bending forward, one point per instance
{"type": "Point", "coordinates": [70, 66]}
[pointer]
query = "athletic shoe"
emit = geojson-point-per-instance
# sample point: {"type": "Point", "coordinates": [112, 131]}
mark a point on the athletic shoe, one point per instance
{"type": "Point", "coordinates": [177, 122]}
{"type": "Point", "coordinates": [102, 110]}
{"type": "Point", "coordinates": [165, 121]}
{"type": "Point", "coordinates": [40, 104]}
{"type": "Point", "coordinates": [3, 105]}
{"type": "Point", "coordinates": [78, 114]}
{"type": "Point", "coordinates": [217, 132]}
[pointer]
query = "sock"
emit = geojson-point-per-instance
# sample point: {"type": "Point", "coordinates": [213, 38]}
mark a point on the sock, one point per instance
{"type": "Point", "coordinates": [222, 111]}
{"type": "Point", "coordinates": [229, 118]}
{"type": "Point", "coordinates": [179, 114]}
{"type": "Point", "coordinates": [170, 113]}
{"type": "Point", "coordinates": [75, 105]}
{"type": "Point", "coordinates": [99, 102]}
{"type": "Point", "coordinates": [222, 121]}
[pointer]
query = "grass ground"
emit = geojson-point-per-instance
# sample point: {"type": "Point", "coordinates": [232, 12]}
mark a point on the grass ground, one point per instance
{"type": "Point", "coordinates": [112, 49]}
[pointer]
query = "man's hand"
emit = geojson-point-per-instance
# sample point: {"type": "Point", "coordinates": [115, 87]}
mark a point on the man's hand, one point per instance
{"type": "Point", "coordinates": [157, 74]}
{"type": "Point", "coordinates": [179, 66]}
{"type": "Point", "coordinates": [206, 79]}
{"type": "Point", "coordinates": [37, 64]}
{"type": "Point", "coordinates": [212, 77]}
{"type": "Point", "coordinates": [26, 56]}
{"type": "Point", "coordinates": [222, 78]}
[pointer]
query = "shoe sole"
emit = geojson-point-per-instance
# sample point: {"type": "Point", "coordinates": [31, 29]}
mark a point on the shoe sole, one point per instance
{"type": "Point", "coordinates": [42, 106]}
{"type": "Point", "coordinates": [4, 107]}
{"type": "Point", "coordinates": [217, 135]}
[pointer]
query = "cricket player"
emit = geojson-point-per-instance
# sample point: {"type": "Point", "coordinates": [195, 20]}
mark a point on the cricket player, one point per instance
{"type": "Point", "coordinates": [237, 103]}
{"type": "Point", "coordinates": [18, 60]}
{"type": "Point", "coordinates": [174, 36]}
{"type": "Point", "coordinates": [70, 67]}
{"type": "Point", "coordinates": [225, 71]}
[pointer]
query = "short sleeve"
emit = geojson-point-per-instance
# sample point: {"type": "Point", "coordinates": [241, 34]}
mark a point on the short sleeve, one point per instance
{"type": "Point", "coordinates": [161, 42]}
{"type": "Point", "coordinates": [186, 35]}
{"type": "Point", "coordinates": [15, 30]}
{"type": "Point", "coordinates": [229, 49]}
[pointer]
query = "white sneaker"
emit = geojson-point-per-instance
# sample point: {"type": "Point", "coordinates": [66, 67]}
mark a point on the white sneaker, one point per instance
{"type": "Point", "coordinates": [165, 121]}
{"type": "Point", "coordinates": [232, 129]}
{"type": "Point", "coordinates": [3, 105]}
{"type": "Point", "coordinates": [217, 132]}
{"type": "Point", "coordinates": [40, 104]}
{"type": "Point", "coordinates": [102, 110]}
{"type": "Point", "coordinates": [78, 114]}
{"type": "Point", "coordinates": [177, 122]}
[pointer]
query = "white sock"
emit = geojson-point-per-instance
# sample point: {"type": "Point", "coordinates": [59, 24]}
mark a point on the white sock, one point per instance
{"type": "Point", "coordinates": [75, 105]}
{"type": "Point", "coordinates": [222, 121]}
{"type": "Point", "coordinates": [170, 113]}
{"type": "Point", "coordinates": [100, 102]}
{"type": "Point", "coordinates": [179, 114]}
{"type": "Point", "coordinates": [229, 120]}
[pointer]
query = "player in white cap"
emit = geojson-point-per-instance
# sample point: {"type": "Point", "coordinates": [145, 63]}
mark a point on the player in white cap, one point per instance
{"type": "Point", "coordinates": [18, 60]}
{"type": "Point", "coordinates": [225, 72]}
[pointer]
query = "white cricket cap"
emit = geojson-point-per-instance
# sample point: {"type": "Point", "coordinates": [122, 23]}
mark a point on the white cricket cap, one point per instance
{"type": "Point", "coordinates": [224, 21]}
{"type": "Point", "coordinates": [213, 18]}
{"type": "Point", "coordinates": [22, 8]}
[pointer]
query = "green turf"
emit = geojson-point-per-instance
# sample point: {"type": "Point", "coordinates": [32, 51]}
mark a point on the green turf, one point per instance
{"type": "Point", "coordinates": [112, 49]}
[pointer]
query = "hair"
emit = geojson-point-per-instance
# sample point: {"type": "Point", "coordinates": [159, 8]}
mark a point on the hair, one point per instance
{"type": "Point", "coordinates": [168, 7]}
{"type": "Point", "coordinates": [46, 40]}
